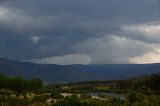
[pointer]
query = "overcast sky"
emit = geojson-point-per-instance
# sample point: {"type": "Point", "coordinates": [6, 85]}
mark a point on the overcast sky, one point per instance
{"type": "Point", "coordinates": [80, 31]}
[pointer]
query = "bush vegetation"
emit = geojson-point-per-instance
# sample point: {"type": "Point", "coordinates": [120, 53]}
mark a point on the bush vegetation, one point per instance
{"type": "Point", "coordinates": [16, 91]}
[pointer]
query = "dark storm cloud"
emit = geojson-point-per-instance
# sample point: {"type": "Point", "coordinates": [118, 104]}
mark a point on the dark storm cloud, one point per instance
{"type": "Point", "coordinates": [38, 29]}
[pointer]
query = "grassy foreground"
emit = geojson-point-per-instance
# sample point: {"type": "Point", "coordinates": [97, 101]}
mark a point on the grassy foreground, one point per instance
{"type": "Point", "coordinates": [144, 90]}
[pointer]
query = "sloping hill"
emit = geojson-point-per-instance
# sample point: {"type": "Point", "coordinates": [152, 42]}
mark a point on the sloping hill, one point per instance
{"type": "Point", "coordinates": [74, 73]}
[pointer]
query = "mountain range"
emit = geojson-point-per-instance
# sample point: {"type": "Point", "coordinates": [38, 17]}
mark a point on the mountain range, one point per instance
{"type": "Point", "coordinates": [52, 73]}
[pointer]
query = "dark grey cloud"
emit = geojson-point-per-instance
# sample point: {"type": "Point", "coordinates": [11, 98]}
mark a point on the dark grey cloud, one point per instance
{"type": "Point", "coordinates": [107, 31]}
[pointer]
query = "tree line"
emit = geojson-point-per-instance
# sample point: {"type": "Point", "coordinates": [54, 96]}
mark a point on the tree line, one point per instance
{"type": "Point", "coordinates": [19, 84]}
{"type": "Point", "coordinates": [151, 82]}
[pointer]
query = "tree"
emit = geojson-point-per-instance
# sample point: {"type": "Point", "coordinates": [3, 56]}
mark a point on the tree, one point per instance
{"type": "Point", "coordinates": [2, 81]}
{"type": "Point", "coordinates": [17, 84]}
{"type": "Point", "coordinates": [36, 84]}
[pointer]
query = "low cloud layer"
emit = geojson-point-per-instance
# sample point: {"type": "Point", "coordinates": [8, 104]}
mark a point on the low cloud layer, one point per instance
{"type": "Point", "coordinates": [80, 32]}
{"type": "Point", "coordinates": [65, 60]}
